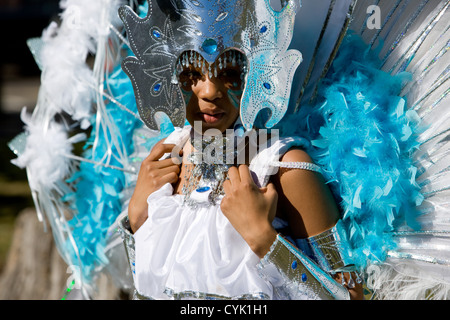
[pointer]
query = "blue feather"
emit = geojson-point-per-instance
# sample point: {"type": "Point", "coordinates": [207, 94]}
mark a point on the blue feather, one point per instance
{"type": "Point", "coordinates": [363, 138]}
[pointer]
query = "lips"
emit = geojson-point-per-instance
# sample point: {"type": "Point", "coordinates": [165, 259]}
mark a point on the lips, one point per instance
{"type": "Point", "coordinates": [211, 117]}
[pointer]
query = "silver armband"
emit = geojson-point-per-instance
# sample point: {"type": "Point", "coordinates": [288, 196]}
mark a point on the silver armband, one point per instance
{"type": "Point", "coordinates": [295, 276]}
{"type": "Point", "coordinates": [128, 240]}
{"type": "Point", "coordinates": [331, 249]}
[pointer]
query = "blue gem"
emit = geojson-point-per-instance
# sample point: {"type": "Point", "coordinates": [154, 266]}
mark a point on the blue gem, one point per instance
{"type": "Point", "coordinates": [156, 34]}
{"type": "Point", "coordinates": [267, 85]}
{"type": "Point", "coordinates": [294, 265]}
{"type": "Point", "coordinates": [304, 277]}
{"type": "Point", "coordinates": [203, 189]}
{"type": "Point", "coordinates": [239, 130]}
{"type": "Point", "coordinates": [263, 29]}
{"type": "Point", "coordinates": [209, 46]}
{"type": "Point", "coordinates": [157, 87]}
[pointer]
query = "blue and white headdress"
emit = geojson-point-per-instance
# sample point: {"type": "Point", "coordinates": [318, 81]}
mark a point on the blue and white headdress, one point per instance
{"type": "Point", "coordinates": [210, 28]}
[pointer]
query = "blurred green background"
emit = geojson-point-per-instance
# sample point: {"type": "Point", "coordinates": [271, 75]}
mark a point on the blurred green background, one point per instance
{"type": "Point", "coordinates": [19, 85]}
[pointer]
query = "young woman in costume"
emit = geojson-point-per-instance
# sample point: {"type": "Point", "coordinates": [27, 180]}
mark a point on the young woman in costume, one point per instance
{"type": "Point", "coordinates": [224, 225]}
{"type": "Point", "coordinates": [389, 176]}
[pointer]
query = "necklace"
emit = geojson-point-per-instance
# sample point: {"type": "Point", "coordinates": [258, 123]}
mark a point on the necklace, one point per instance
{"type": "Point", "coordinates": [204, 178]}
{"type": "Point", "coordinates": [206, 170]}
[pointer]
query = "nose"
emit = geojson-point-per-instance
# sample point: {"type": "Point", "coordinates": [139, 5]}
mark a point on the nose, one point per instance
{"type": "Point", "coordinates": [208, 89]}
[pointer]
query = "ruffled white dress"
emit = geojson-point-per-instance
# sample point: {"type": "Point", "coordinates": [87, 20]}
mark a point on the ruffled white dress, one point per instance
{"type": "Point", "coordinates": [182, 252]}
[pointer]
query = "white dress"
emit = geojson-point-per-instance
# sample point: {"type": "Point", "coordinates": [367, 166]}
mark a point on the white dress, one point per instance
{"type": "Point", "coordinates": [182, 252]}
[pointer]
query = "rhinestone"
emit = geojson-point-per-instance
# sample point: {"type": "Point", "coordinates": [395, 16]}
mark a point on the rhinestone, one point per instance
{"type": "Point", "coordinates": [343, 282]}
{"type": "Point", "coordinates": [203, 189]}
{"type": "Point", "coordinates": [304, 277]}
{"type": "Point", "coordinates": [156, 34]}
{"type": "Point", "coordinates": [263, 29]}
{"type": "Point", "coordinates": [294, 265]}
{"type": "Point", "coordinates": [196, 18]}
{"type": "Point", "coordinates": [157, 87]}
{"type": "Point", "coordinates": [358, 280]}
{"type": "Point", "coordinates": [267, 85]}
{"type": "Point", "coordinates": [222, 16]}
{"type": "Point", "coordinates": [351, 283]}
{"type": "Point", "coordinates": [209, 46]}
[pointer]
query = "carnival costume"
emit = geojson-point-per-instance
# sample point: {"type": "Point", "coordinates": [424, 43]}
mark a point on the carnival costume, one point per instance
{"type": "Point", "coordinates": [368, 105]}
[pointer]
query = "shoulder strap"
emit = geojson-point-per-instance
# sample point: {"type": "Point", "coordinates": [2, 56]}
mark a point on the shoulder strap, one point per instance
{"type": "Point", "coordinates": [267, 161]}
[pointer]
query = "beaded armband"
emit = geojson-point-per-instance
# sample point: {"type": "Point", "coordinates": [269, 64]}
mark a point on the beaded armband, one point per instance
{"type": "Point", "coordinates": [295, 276]}
{"type": "Point", "coordinates": [297, 165]}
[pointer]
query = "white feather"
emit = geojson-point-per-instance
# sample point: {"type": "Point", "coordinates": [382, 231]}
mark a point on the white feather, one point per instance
{"type": "Point", "coordinates": [45, 151]}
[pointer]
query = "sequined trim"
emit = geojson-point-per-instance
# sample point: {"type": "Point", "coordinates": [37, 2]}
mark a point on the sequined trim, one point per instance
{"type": "Point", "coordinates": [331, 249]}
{"type": "Point", "coordinates": [297, 165]}
{"type": "Point", "coordinates": [418, 257]}
{"type": "Point", "coordinates": [196, 295]}
{"type": "Point", "coordinates": [128, 240]}
{"type": "Point", "coordinates": [436, 233]}
{"type": "Point", "coordinates": [295, 276]}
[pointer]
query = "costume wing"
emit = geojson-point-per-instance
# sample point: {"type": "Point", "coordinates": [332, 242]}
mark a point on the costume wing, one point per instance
{"type": "Point", "coordinates": [380, 122]}
{"type": "Point", "coordinates": [83, 143]}
{"type": "Point", "coordinates": [414, 37]}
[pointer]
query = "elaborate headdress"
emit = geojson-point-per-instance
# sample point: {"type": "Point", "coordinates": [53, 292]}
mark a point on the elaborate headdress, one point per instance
{"type": "Point", "coordinates": [210, 28]}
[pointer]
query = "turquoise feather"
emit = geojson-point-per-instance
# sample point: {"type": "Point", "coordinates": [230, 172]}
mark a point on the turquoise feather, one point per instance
{"type": "Point", "coordinates": [363, 138]}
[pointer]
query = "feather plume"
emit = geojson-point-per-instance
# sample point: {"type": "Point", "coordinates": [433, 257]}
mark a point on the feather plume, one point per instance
{"type": "Point", "coordinates": [46, 150]}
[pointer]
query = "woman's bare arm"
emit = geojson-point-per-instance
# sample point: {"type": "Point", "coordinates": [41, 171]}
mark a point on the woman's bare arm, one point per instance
{"type": "Point", "coordinates": [304, 199]}
{"type": "Point", "coordinates": [300, 196]}
{"type": "Point", "coordinates": [307, 203]}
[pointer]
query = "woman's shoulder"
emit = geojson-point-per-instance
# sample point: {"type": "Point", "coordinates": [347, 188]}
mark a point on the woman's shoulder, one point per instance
{"type": "Point", "coordinates": [297, 168]}
{"type": "Point", "coordinates": [296, 154]}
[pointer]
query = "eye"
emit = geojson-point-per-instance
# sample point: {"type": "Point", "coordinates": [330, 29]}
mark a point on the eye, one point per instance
{"type": "Point", "coordinates": [190, 74]}
{"type": "Point", "coordinates": [229, 73]}
{"type": "Point", "coordinates": [189, 77]}
{"type": "Point", "coordinates": [231, 78]}
{"type": "Point", "coordinates": [194, 74]}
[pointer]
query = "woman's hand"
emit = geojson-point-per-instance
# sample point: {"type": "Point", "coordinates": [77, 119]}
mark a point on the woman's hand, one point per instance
{"type": "Point", "coordinates": [153, 174]}
{"type": "Point", "coordinates": [250, 209]}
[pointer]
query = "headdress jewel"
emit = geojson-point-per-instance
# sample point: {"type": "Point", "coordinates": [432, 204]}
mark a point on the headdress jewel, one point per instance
{"type": "Point", "coordinates": [211, 27]}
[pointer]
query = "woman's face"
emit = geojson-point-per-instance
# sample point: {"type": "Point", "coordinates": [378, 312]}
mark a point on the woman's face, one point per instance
{"type": "Point", "coordinates": [213, 97]}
